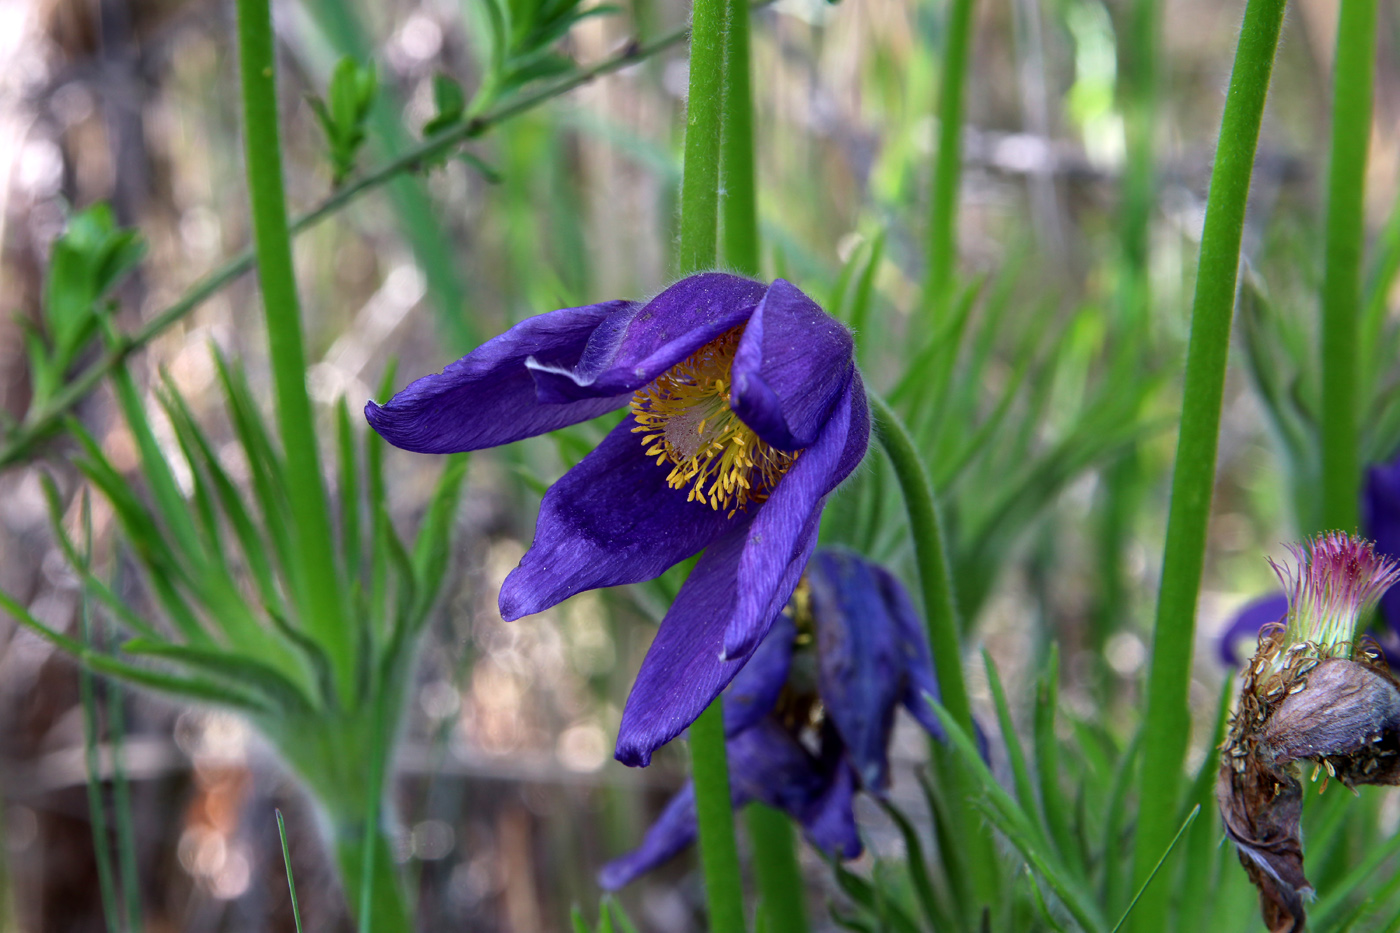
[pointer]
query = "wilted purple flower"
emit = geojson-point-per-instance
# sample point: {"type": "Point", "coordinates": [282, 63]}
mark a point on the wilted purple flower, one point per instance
{"type": "Point", "coordinates": [1309, 693]}
{"type": "Point", "coordinates": [745, 412]}
{"type": "Point", "coordinates": [808, 720]}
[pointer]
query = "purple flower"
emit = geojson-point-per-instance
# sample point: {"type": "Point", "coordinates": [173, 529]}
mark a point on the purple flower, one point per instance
{"type": "Point", "coordinates": [808, 720]}
{"type": "Point", "coordinates": [745, 412]}
{"type": "Point", "coordinates": [1380, 517]}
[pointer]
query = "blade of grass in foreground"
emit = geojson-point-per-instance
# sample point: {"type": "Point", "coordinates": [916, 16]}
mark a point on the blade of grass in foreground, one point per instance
{"type": "Point", "coordinates": [1167, 723]}
{"type": "Point", "coordinates": [287, 860]}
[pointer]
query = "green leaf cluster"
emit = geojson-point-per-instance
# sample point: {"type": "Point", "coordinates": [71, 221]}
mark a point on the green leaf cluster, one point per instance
{"type": "Point", "coordinates": [342, 115]}
{"type": "Point", "coordinates": [522, 38]}
{"type": "Point", "coordinates": [89, 258]}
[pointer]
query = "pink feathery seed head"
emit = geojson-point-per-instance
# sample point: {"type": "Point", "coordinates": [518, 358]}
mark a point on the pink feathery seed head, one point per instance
{"type": "Point", "coordinates": [1333, 580]}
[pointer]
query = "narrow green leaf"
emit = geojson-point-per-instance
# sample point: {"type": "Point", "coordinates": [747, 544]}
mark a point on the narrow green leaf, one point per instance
{"type": "Point", "coordinates": [1047, 758]}
{"type": "Point", "coordinates": [1190, 817]}
{"type": "Point", "coordinates": [287, 861]}
{"type": "Point", "coordinates": [221, 663]}
{"type": "Point", "coordinates": [1015, 754]}
{"type": "Point", "coordinates": [349, 494]}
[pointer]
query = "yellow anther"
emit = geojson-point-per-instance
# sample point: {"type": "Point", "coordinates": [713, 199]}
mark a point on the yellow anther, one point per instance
{"type": "Point", "coordinates": [685, 419]}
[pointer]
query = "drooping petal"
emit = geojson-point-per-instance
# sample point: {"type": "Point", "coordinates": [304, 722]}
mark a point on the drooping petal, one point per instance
{"type": "Point", "coordinates": [630, 350]}
{"type": "Point", "coordinates": [683, 670]}
{"type": "Point", "coordinates": [766, 763]}
{"type": "Point", "coordinates": [791, 368]}
{"type": "Point", "coordinates": [830, 823]}
{"type": "Point", "coordinates": [756, 688]}
{"type": "Point", "coordinates": [920, 680]}
{"type": "Point", "coordinates": [860, 671]}
{"type": "Point", "coordinates": [1380, 518]}
{"type": "Point", "coordinates": [610, 520]}
{"type": "Point", "coordinates": [1255, 614]}
{"type": "Point", "coordinates": [488, 397]}
{"type": "Point", "coordinates": [775, 535]}
{"type": "Point", "coordinates": [668, 836]}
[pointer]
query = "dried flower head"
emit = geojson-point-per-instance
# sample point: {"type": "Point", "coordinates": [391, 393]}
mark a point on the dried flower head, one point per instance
{"type": "Point", "coordinates": [1310, 693]}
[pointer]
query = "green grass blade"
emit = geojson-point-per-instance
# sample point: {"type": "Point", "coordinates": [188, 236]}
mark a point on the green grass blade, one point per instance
{"type": "Point", "coordinates": [1190, 817]}
{"type": "Point", "coordinates": [287, 861]}
{"type": "Point", "coordinates": [349, 494]}
{"type": "Point", "coordinates": [1047, 758]}
{"type": "Point", "coordinates": [1015, 754]}
{"type": "Point", "coordinates": [223, 664]}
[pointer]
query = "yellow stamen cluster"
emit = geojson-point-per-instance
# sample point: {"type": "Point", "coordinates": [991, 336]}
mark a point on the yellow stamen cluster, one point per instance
{"type": "Point", "coordinates": [685, 420]}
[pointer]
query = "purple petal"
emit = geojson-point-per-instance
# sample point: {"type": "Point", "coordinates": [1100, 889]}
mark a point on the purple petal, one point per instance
{"type": "Point", "coordinates": [756, 688]}
{"type": "Point", "coordinates": [488, 397]}
{"type": "Point", "coordinates": [920, 681]}
{"type": "Point", "coordinates": [766, 763]}
{"type": "Point", "coordinates": [1380, 520]}
{"type": "Point", "coordinates": [775, 536]}
{"type": "Point", "coordinates": [830, 823]}
{"type": "Point", "coordinates": [1256, 614]}
{"type": "Point", "coordinates": [673, 831]}
{"type": "Point", "coordinates": [610, 520]}
{"type": "Point", "coordinates": [791, 368]}
{"type": "Point", "coordinates": [860, 671]}
{"type": "Point", "coordinates": [632, 349]}
{"type": "Point", "coordinates": [683, 670]}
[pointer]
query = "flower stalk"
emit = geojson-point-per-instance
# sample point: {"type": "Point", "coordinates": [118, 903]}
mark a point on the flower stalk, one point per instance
{"type": "Point", "coordinates": [1167, 724]}
{"type": "Point", "coordinates": [1354, 72]}
{"type": "Point", "coordinates": [699, 233]}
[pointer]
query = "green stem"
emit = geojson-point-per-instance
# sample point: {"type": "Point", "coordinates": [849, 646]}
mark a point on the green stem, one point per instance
{"type": "Point", "coordinates": [941, 620]}
{"type": "Point", "coordinates": [947, 167]}
{"type": "Point", "coordinates": [40, 423]}
{"type": "Point", "coordinates": [1355, 65]}
{"type": "Point", "coordinates": [272, 243]}
{"type": "Point", "coordinates": [714, 814]}
{"type": "Point", "coordinates": [388, 912]}
{"type": "Point", "coordinates": [699, 223]}
{"type": "Point", "coordinates": [740, 201]}
{"type": "Point", "coordinates": [931, 555]}
{"type": "Point", "coordinates": [782, 895]}
{"type": "Point", "coordinates": [1167, 724]}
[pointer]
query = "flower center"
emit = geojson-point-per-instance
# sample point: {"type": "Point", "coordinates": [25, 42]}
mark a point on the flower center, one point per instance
{"type": "Point", "coordinates": [685, 420]}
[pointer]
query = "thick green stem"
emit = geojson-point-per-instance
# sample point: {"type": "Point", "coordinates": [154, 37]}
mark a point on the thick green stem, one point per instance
{"type": "Point", "coordinates": [388, 912]}
{"type": "Point", "coordinates": [739, 204]}
{"type": "Point", "coordinates": [699, 224]}
{"type": "Point", "coordinates": [947, 167]}
{"type": "Point", "coordinates": [714, 814]}
{"type": "Point", "coordinates": [1355, 65]}
{"type": "Point", "coordinates": [782, 895]}
{"type": "Point", "coordinates": [272, 244]}
{"type": "Point", "coordinates": [941, 620]}
{"type": "Point", "coordinates": [931, 555]}
{"type": "Point", "coordinates": [1168, 719]}
{"type": "Point", "coordinates": [699, 237]}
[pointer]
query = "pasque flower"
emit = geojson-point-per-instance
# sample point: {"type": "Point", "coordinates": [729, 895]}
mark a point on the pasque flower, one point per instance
{"type": "Point", "coordinates": [808, 720]}
{"type": "Point", "coordinates": [1380, 521]}
{"type": "Point", "coordinates": [1311, 692]}
{"type": "Point", "coordinates": [745, 411]}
